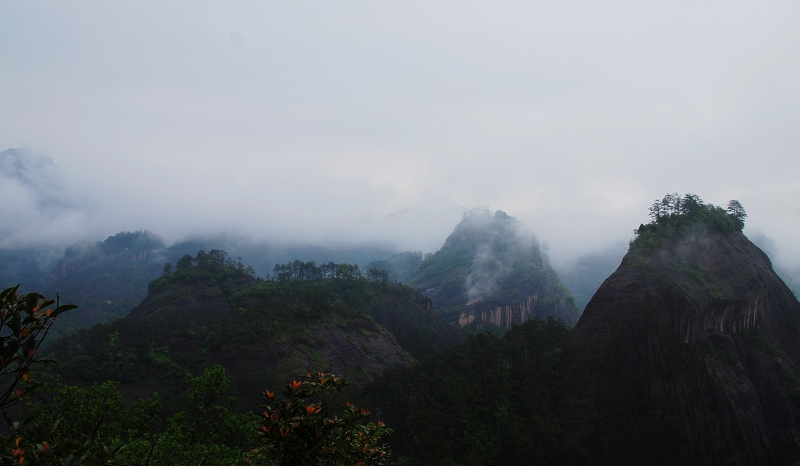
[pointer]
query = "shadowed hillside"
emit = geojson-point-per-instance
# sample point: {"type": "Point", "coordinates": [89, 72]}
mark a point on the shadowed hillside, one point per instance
{"type": "Point", "coordinates": [688, 353]}
{"type": "Point", "coordinates": [211, 310]}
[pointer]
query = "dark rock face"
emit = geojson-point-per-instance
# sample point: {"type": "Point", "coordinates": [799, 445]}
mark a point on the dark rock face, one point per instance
{"type": "Point", "coordinates": [409, 316]}
{"type": "Point", "coordinates": [686, 355]}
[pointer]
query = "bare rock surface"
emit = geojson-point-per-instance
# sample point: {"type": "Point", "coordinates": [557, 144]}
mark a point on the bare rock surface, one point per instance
{"type": "Point", "coordinates": [687, 355]}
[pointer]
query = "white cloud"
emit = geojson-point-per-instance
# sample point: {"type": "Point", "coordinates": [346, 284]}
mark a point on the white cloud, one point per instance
{"type": "Point", "coordinates": [305, 120]}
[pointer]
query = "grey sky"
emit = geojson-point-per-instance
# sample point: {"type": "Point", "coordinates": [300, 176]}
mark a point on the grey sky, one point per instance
{"type": "Point", "coordinates": [317, 120]}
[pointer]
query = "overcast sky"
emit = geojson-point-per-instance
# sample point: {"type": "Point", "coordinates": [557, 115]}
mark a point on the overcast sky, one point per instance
{"type": "Point", "coordinates": [294, 120]}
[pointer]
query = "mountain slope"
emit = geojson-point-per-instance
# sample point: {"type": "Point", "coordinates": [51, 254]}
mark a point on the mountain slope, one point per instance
{"type": "Point", "coordinates": [489, 273]}
{"type": "Point", "coordinates": [409, 316]}
{"type": "Point", "coordinates": [265, 333]}
{"type": "Point", "coordinates": [688, 352]}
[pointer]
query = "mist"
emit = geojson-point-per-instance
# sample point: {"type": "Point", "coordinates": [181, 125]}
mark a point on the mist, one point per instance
{"type": "Point", "coordinates": [374, 123]}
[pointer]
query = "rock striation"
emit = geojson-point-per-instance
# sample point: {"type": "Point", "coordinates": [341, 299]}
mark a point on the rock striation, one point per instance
{"type": "Point", "coordinates": [505, 315]}
{"type": "Point", "coordinates": [490, 272]}
{"type": "Point", "coordinates": [687, 354]}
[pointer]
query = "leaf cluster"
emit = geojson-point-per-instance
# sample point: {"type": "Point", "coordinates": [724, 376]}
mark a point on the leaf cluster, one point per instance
{"type": "Point", "coordinates": [24, 324]}
{"type": "Point", "coordinates": [72, 425]}
{"type": "Point", "coordinates": [299, 430]}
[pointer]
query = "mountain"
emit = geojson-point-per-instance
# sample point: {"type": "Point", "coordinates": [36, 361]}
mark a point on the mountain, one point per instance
{"type": "Point", "coordinates": [28, 266]}
{"type": "Point", "coordinates": [37, 176]}
{"type": "Point", "coordinates": [488, 272]}
{"type": "Point", "coordinates": [400, 266]}
{"type": "Point", "coordinates": [688, 353]}
{"type": "Point", "coordinates": [584, 275]}
{"type": "Point", "coordinates": [211, 310]}
{"type": "Point", "coordinates": [106, 279]}
{"type": "Point", "coordinates": [409, 316]}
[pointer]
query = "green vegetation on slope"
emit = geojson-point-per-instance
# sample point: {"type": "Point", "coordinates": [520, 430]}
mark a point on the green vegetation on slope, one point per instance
{"type": "Point", "coordinates": [58, 424]}
{"type": "Point", "coordinates": [106, 279]}
{"type": "Point", "coordinates": [488, 260]}
{"type": "Point", "coordinates": [486, 402]}
{"type": "Point", "coordinates": [674, 218]}
{"type": "Point", "coordinates": [210, 309]}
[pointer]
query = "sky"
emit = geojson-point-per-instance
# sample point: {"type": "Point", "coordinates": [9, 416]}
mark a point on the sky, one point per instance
{"type": "Point", "coordinates": [353, 121]}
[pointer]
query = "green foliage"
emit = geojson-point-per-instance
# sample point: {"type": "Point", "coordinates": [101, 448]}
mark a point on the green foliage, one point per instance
{"type": "Point", "coordinates": [214, 268]}
{"type": "Point", "coordinates": [93, 426]}
{"type": "Point", "coordinates": [487, 258]}
{"type": "Point", "coordinates": [24, 323]}
{"type": "Point", "coordinates": [720, 352]}
{"type": "Point", "coordinates": [275, 313]}
{"type": "Point", "coordinates": [300, 429]}
{"type": "Point", "coordinates": [788, 374]}
{"type": "Point", "coordinates": [305, 271]}
{"type": "Point", "coordinates": [486, 402]}
{"type": "Point", "coordinates": [710, 348]}
{"type": "Point", "coordinates": [757, 336]}
{"type": "Point", "coordinates": [675, 218]}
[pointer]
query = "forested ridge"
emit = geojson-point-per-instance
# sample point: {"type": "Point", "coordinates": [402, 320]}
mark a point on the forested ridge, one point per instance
{"type": "Point", "coordinates": [219, 366]}
{"type": "Point", "coordinates": [147, 390]}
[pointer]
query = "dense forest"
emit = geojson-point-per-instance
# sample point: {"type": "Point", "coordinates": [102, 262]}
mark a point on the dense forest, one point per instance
{"type": "Point", "coordinates": [510, 378]}
{"type": "Point", "coordinates": [488, 401]}
{"type": "Point", "coordinates": [149, 388]}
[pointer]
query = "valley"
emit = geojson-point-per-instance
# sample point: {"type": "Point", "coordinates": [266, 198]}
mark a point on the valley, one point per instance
{"type": "Point", "coordinates": [693, 328]}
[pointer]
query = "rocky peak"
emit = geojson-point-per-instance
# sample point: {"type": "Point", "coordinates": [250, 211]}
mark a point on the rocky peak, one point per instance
{"type": "Point", "coordinates": [687, 354]}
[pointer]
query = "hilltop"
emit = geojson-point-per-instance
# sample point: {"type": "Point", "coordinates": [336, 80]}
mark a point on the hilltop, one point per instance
{"type": "Point", "coordinates": [687, 354]}
{"type": "Point", "coordinates": [489, 273]}
{"type": "Point", "coordinates": [210, 309]}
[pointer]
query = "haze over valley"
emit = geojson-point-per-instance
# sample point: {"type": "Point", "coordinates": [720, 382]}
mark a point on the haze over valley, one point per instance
{"type": "Point", "coordinates": [419, 233]}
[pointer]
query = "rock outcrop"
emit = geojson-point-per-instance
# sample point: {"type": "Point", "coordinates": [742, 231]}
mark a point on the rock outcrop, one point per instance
{"type": "Point", "coordinates": [505, 315]}
{"type": "Point", "coordinates": [490, 272]}
{"type": "Point", "coordinates": [687, 354]}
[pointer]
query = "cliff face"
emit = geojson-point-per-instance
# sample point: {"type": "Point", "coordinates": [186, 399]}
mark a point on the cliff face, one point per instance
{"type": "Point", "coordinates": [506, 315]}
{"type": "Point", "coordinates": [687, 354]}
{"type": "Point", "coordinates": [489, 272]}
{"type": "Point", "coordinates": [410, 317]}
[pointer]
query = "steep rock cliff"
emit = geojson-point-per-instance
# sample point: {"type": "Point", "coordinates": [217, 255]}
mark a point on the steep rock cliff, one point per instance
{"type": "Point", "coordinates": [490, 272]}
{"type": "Point", "coordinates": [687, 354]}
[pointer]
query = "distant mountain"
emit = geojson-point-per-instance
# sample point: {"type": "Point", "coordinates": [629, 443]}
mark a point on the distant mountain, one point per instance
{"type": "Point", "coordinates": [400, 266]}
{"type": "Point", "coordinates": [210, 310]}
{"type": "Point", "coordinates": [688, 353]}
{"type": "Point", "coordinates": [29, 266]}
{"type": "Point", "coordinates": [584, 275]}
{"type": "Point", "coordinates": [34, 173]}
{"type": "Point", "coordinates": [488, 273]}
{"type": "Point", "coordinates": [36, 208]}
{"type": "Point", "coordinates": [106, 279]}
